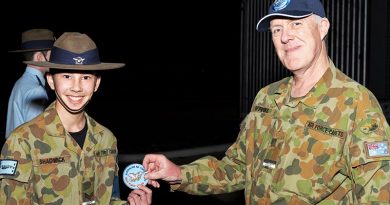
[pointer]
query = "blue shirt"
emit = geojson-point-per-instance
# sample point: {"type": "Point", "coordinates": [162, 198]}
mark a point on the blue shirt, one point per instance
{"type": "Point", "coordinates": [28, 99]}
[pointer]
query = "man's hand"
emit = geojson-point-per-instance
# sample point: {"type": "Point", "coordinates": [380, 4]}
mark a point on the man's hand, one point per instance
{"type": "Point", "coordinates": [159, 167]}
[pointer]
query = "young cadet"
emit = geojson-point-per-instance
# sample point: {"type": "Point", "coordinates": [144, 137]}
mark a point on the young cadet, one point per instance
{"type": "Point", "coordinates": [63, 156]}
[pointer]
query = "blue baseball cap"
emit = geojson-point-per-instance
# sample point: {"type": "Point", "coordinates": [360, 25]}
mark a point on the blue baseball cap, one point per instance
{"type": "Point", "coordinates": [291, 9]}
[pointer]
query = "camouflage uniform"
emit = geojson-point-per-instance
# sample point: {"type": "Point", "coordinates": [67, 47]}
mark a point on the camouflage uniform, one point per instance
{"type": "Point", "coordinates": [53, 169]}
{"type": "Point", "coordinates": [328, 147]}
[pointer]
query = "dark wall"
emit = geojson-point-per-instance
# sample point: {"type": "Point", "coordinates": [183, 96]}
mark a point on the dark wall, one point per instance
{"type": "Point", "coordinates": [379, 49]}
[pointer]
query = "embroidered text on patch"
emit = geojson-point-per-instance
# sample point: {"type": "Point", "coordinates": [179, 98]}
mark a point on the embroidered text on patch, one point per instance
{"type": "Point", "coordinates": [262, 109]}
{"type": "Point", "coordinates": [377, 149]}
{"type": "Point", "coordinates": [8, 167]}
{"type": "Point", "coordinates": [105, 152]}
{"type": "Point", "coordinates": [53, 160]}
{"type": "Point", "coordinates": [325, 130]}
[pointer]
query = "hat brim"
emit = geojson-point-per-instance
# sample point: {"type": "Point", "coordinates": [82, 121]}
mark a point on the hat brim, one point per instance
{"type": "Point", "coordinates": [100, 66]}
{"type": "Point", "coordinates": [29, 50]}
{"type": "Point", "coordinates": [263, 24]}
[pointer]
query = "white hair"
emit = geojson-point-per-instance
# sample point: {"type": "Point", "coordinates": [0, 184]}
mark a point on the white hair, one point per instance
{"type": "Point", "coordinates": [317, 19]}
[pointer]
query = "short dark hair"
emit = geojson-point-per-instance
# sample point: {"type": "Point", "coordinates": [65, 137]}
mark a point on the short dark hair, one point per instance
{"type": "Point", "coordinates": [29, 56]}
{"type": "Point", "coordinates": [55, 71]}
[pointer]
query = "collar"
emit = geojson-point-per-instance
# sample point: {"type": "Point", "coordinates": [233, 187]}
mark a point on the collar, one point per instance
{"type": "Point", "coordinates": [313, 97]}
{"type": "Point", "coordinates": [39, 74]}
{"type": "Point", "coordinates": [55, 128]}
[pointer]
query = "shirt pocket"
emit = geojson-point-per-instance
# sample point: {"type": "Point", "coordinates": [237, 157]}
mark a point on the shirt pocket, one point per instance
{"type": "Point", "coordinates": [265, 148]}
{"type": "Point", "coordinates": [106, 158]}
{"type": "Point", "coordinates": [105, 168]}
{"type": "Point", "coordinates": [266, 140]}
{"type": "Point", "coordinates": [310, 162]}
{"type": "Point", "coordinates": [52, 178]}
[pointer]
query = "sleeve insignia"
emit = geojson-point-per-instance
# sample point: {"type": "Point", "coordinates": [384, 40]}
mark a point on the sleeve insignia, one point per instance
{"type": "Point", "coordinates": [368, 126]}
{"type": "Point", "coordinates": [377, 149]}
{"type": "Point", "coordinates": [8, 167]}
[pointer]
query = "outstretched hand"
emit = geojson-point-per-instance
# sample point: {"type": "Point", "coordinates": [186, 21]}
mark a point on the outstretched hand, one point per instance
{"type": "Point", "coordinates": [159, 167]}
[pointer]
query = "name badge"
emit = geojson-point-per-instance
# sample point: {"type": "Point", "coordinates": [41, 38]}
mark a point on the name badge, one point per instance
{"type": "Point", "coordinates": [269, 164]}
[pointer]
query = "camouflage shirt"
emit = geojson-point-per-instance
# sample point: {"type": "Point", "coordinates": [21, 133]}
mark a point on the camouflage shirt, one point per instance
{"type": "Point", "coordinates": [328, 147]}
{"type": "Point", "coordinates": [42, 164]}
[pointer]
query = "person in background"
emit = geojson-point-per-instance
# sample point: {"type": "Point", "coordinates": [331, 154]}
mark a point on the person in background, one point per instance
{"type": "Point", "coordinates": [316, 137]}
{"type": "Point", "coordinates": [29, 97]}
{"type": "Point", "coordinates": [63, 156]}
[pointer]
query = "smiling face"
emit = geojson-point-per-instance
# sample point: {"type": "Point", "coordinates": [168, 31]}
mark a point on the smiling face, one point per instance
{"type": "Point", "coordinates": [299, 42]}
{"type": "Point", "coordinates": [73, 89]}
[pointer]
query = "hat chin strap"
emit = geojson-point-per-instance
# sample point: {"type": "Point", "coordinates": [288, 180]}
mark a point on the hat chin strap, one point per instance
{"type": "Point", "coordinates": [68, 108]}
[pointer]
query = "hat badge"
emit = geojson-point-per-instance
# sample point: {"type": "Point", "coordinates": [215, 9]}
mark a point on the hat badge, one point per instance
{"type": "Point", "coordinates": [280, 4]}
{"type": "Point", "coordinates": [79, 60]}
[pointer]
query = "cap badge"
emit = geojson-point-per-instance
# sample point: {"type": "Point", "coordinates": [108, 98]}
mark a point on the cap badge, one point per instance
{"type": "Point", "coordinates": [280, 4]}
{"type": "Point", "coordinates": [79, 60]}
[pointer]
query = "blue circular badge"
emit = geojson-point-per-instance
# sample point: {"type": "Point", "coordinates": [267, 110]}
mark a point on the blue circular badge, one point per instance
{"type": "Point", "coordinates": [280, 4]}
{"type": "Point", "coordinates": [134, 175]}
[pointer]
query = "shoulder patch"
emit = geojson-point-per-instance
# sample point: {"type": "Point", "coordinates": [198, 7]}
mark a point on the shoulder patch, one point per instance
{"type": "Point", "coordinates": [377, 149]}
{"type": "Point", "coordinates": [368, 126]}
{"type": "Point", "coordinates": [8, 166]}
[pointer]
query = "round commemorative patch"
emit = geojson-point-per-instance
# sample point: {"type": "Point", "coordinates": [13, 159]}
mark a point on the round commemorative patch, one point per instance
{"type": "Point", "coordinates": [134, 175]}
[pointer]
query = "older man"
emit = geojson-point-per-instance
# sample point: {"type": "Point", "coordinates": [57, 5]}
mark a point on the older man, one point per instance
{"type": "Point", "coordinates": [317, 137]}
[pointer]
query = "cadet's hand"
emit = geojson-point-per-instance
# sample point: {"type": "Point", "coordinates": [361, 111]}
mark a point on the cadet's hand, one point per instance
{"type": "Point", "coordinates": [159, 167]}
{"type": "Point", "coordinates": [141, 196]}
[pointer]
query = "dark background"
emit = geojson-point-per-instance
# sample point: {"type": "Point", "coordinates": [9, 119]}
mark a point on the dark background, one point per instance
{"type": "Point", "coordinates": [180, 86]}
{"type": "Point", "coordinates": [182, 68]}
